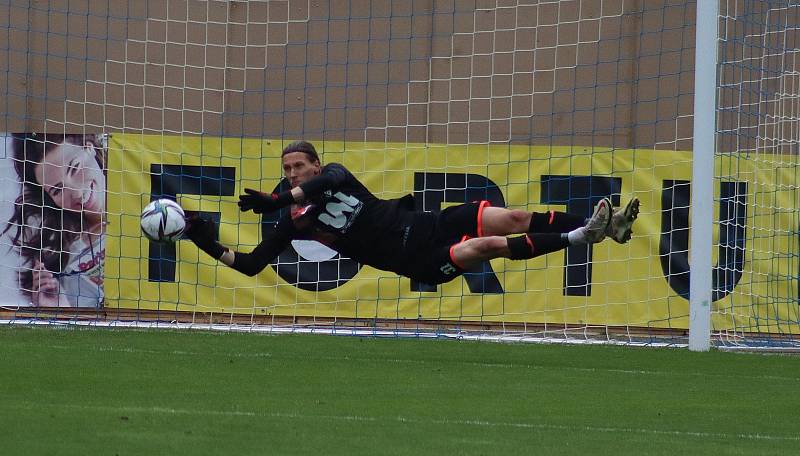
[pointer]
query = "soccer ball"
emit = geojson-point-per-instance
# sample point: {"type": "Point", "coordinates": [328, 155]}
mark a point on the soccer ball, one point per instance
{"type": "Point", "coordinates": [163, 220]}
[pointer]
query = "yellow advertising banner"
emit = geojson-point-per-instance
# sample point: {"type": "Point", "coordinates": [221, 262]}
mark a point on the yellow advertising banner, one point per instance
{"type": "Point", "coordinates": [641, 283]}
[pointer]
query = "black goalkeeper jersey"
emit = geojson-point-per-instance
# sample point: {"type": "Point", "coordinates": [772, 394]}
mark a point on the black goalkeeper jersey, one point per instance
{"type": "Point", "coordinates": [343, 214]}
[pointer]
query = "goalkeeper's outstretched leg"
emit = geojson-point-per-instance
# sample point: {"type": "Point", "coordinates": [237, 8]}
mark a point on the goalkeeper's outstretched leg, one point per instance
{"type": "Point", "coordinates": [471, 252]}
{"type": "Point", "coordinates": [498, 221]}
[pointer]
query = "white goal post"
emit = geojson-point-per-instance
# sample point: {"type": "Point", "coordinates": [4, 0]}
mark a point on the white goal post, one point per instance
{"type": "Point", "coordinates": [704, 148]}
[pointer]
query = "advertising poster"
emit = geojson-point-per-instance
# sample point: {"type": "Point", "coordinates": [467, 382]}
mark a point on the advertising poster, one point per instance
{"type": "Point", "coordinates": [52, 207]}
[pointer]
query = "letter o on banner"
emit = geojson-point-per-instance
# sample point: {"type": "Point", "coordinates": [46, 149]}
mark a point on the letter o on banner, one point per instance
{"type": "Point", "coordinates": [308, 265]}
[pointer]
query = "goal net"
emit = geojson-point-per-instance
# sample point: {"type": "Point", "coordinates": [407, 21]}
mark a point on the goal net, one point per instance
{"type": "Point", "coordinates": [755, 280]}
{"type": "Point", "coordinates": [546, 105]}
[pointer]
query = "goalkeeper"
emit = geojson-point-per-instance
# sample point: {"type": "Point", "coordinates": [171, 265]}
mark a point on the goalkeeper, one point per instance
{"type": "Point", "coordinates": [328, 204]}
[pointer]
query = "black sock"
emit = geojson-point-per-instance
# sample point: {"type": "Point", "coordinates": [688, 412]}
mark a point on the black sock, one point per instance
{"type": "Point", "coordinates": [521, 247]}
{"type": "Point", "coordinates": [554, 222]}
{"type": "Point", "coordinates": [535, 244]}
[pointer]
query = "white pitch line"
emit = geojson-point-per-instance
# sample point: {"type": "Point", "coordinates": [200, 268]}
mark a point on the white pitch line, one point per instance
{"type": "Point", "coordinates": [406, 420]}
{"type": "Point", "coordinates": [335, 331]}
{"type": "Point", "coordinates": [159, 352]}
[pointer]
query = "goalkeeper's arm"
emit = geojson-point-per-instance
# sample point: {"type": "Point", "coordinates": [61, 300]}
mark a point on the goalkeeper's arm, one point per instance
{"type": "Point", "coordinates": [203, 233]}
{"type": "Point", "coordinates": [259, 202]}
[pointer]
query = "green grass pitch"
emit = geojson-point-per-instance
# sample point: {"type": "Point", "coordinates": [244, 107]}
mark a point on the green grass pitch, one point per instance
{"type": "Point", "coordinates": [126, 392]}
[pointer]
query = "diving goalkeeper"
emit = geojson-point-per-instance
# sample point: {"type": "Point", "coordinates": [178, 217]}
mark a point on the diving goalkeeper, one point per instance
{"type": "Point", "coordinates": [329, 205]}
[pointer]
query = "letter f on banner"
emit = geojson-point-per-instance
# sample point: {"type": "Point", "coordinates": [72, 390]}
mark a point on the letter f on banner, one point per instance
{"type": "Point", "coordinates": [173, 180]}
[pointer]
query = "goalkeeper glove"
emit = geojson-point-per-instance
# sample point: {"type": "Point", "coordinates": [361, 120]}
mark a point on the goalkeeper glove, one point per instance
{"type": "Point", "coordinates": [203, 232]}
{"type": "Point", "coordinates": [262, 203]}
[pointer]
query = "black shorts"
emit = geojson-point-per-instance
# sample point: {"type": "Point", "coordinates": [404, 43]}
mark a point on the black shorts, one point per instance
{"type": "Point", "coordinates": [431, 261]}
